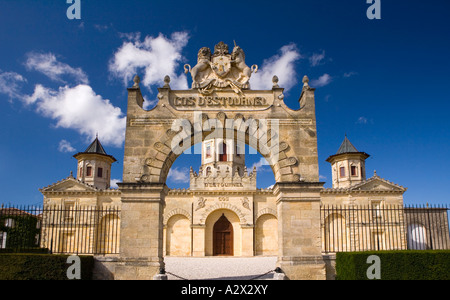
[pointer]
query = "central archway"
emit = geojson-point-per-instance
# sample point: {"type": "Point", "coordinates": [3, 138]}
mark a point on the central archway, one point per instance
{"type": "Point", "coordinates": [223, 234]}
{"type": "Point", "coordinates": [286, 139]}
{"type": "Point", "coordinates": [223, 237]}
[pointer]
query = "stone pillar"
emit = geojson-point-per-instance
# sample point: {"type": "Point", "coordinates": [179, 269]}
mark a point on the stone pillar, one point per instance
{"type": "Point", "coordinates": [141, 232]}
{"type": "Point", "coordinates": [299, 238]}
{"type": "Point", "coordinates": [198, 240]}
{"type": "Point", "coordinates": [247, 240]}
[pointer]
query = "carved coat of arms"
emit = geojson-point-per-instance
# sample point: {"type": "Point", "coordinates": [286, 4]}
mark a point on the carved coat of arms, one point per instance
{"type": "Point", "coordinates": [220, 70]}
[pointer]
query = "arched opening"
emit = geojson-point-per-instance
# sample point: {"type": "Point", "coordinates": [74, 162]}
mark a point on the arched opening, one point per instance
{"type": "Point", "coordinates": [223, 224]}
{"type": "Point", "coordinates": [178, 236]}
{"type": "Point", "coordinates": [192, 192]}
{"type": "Point", "coordinates": [178, 174]}
{"type": "Point", "coordinates": [223, 237]}
{"type": "Point", "coordinates": [271, 153]}
{"type": "Point", "coordinates": [266, 235]}
{"type": "Point", "coordinates": [417, 237]}
{"type": "Point", "coordinates": [108, 232]}
{"type": "Point", "coordinates": [336, 238]}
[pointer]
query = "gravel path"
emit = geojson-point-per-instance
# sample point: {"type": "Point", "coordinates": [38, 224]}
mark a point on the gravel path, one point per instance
{"type": "Point", "coordinates": [220, 268]}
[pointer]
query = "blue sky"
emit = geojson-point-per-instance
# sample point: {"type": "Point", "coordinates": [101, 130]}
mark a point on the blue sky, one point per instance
{"type": "Point", "coordinates": [384, 82]}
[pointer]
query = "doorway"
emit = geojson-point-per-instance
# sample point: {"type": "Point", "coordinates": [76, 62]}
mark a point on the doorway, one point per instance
{"type": "Point", "coordinates": [223, 237]}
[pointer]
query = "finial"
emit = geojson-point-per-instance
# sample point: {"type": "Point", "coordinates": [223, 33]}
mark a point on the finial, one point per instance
{"type": "Point", "coordinates": [375, 173]}
{"type": "Point", "coordinates": [71, 174]}
{"type": "Point", "coordinates": [234, 43]}
{"type": "Point", "coordinates": [166, 81]}
{"type": "Point", "coordinates": [136, 81]}
{"type": "Point", "coordinates": [275, 81]}
{"type": "Point", "coordinates": [305, 81]}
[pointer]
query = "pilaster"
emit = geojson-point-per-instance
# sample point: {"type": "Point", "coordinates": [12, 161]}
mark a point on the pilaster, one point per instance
{"type": "Point", "coordinates": [299, 246]}
{"type": "Point", "coordinates": [141, 233]}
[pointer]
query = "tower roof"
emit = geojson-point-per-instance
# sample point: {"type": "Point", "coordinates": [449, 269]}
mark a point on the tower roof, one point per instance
{"type": "Point", "coordinates": [347, 148]}
{"type": "Point", "coordinates": [95, 148]}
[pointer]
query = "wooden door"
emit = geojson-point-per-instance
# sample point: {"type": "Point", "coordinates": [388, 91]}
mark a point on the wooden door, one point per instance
{"type": "Point", "coordinates": [223, 237]}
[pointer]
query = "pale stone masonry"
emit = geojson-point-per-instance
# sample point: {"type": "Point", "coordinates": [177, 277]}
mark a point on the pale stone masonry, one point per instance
{"type": "Point", "coordinates": [222, 212]}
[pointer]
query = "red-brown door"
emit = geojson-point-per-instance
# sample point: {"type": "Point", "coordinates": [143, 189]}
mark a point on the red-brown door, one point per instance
{"type": "Point", "coordinates": [223, 237]}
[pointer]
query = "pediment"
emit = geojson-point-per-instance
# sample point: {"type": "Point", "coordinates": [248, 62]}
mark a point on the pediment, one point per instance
{"type": "Point", "coordinates": [69, 185]}
{"type": "Point", "coordinates": [378, 184]}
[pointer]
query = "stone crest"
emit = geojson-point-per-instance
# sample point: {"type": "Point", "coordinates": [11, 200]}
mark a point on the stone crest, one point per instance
{"type": "Point", "coordinates": [220, 70]}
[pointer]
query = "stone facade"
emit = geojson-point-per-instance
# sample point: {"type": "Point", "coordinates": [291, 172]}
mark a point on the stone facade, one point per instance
{"type": "Point", "coordinates": [223, 212]}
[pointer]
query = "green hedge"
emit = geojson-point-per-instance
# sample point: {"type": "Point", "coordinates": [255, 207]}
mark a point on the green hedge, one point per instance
{"type": "Point", "coordinates": [26, 250]}
{"type": "Point", "coordinates": [41, 267]}
{"type": "Point", "coordinates": [396, 265]}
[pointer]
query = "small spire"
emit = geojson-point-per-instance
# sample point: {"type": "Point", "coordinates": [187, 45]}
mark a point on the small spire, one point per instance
{"type": "Point", "coordinates": [71, 174]}
{"type": "Point", "coordinates": [166, 81]}
{"type": "Point", "coordinates": [136, 81]}
{"type": "Point", "coordinates": [275, 81]}
{"type": "Point", "coordinates": [375, 173]}
{"type": "Point", "coordinates": [305, 82]}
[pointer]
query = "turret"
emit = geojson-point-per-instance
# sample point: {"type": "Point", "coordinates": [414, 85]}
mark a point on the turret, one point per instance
{"type": "Point", "coordinates": [348, 165]}
{"type": "Point", "coordinates": [94, 166]}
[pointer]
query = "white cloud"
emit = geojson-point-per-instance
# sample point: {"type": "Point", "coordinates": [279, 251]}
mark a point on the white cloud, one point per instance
{"type": "Point", "coordinates": [323, 80]}
{"type": "Point", "coordinates": [260, 165]}
{"type": "Point", "coordinates": [149, 104]}
{"type": "Point", "coordinates": [65, 146]}
{"type": "Point", "coordinates": [179, 175]}
{"type": "Point", "coordinates": [113, 183]}
{"type": "Point", "coordinates": [81, 109]}
{"type": "Point", "coordinates": [10, 84]}
{"type": "Point", "coordinates": [321, 177]}
{"type": "Point", "coordinates": [47, 64]}
{"type": "Point", "coordinates": [282, 65]}
{"type": "Point", "coordinates": [101, 28]}
{"type": "Point", "coordinates": [362, 120]}
{"type": "Point", "coordinates": [155, 57]}
{"type": "Point", "coordinates": [350, 74]}
{"type": "Point", "coordinates": [317, 58]}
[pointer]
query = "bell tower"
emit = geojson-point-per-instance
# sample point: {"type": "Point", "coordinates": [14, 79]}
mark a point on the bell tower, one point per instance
{"type": "Point", "coordinates": [222, 156]}
{"type": "Point", "coordinates": [223, 167]}
{"type": "Point", "coordinates": [348, 166]}
{"type": "Point", "coordinates": [94, 166]}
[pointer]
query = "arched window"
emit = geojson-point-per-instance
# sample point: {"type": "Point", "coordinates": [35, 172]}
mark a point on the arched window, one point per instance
{"type": "Point", "coordinates": [208, 171]}
{"type": "Point", "coordinates": [417, 237]}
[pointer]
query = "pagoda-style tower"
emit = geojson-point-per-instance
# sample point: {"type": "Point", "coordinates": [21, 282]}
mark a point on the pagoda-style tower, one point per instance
{"type": "Point", "coordinates": [94, 166]}
{"type": "Point", "coordinates": [348, 165]}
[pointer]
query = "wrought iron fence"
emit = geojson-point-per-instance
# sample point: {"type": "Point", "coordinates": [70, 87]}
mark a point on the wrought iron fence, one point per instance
{"type": "Point", "coordinates": [378, 227]}
{"type": "Point", "coordinates": [72, 229]}
{"type": "Point", "coordinates": [60, 229]}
